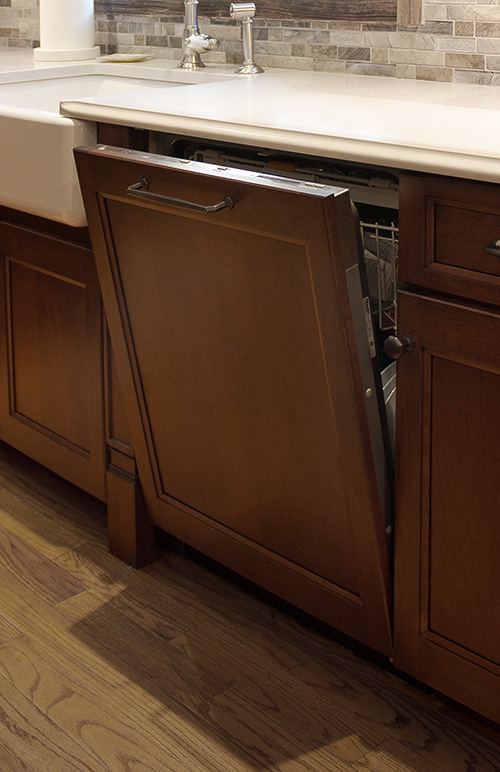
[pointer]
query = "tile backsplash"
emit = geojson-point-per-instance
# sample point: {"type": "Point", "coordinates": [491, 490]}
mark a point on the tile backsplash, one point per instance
{"type": "Point", "coordinates": [459, 41]}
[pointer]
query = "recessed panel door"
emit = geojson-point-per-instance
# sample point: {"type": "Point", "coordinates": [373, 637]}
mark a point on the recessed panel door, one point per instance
{"type": "Point", "coordinates": [227, 301]}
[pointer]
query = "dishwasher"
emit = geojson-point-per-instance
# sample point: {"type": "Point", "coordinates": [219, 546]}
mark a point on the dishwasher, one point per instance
{"type": "Point", "coordinates": [376, 196]}
{"type": "Point", "coordinates": [246, 306]}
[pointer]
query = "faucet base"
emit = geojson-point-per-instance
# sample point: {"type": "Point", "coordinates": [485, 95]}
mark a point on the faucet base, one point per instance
{"type": "Point", "coordinates": [249, 68]}
{"type": "Point", "coordinates": [188, 65]}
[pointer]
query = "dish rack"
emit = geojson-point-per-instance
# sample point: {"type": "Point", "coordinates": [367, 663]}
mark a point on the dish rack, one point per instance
{"type": "Point", "coordinates": [381, 243]}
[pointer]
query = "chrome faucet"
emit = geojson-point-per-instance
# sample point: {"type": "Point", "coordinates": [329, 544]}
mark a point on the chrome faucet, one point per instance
{"type": "Point", "coordinates": [195, 42]}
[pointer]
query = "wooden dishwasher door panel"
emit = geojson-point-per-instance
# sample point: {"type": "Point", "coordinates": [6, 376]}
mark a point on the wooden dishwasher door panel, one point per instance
{"type": "Point", "coordinates": [236, 354]}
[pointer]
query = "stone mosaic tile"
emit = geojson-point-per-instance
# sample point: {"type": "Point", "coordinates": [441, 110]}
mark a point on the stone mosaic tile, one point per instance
{"type": "Point", "coordinates": [456, 45]}
{"type": "Point", "coordinates": [487, 29]}
{"type": "Point", "coordinates": [379, 55]}
{"type": "Point", "coordinates": [488, 46]}
{"type": "Point", "coordinates": [381, 70]}
{"type": "Point", "coordinates": [465, 61]}
{"type": "Point", "coordinates": [328, 65]}
{"type": "Point", "coordinates": [465, 28]}
{"type": "Point", "coordinates": [479, 78]}
{"type": "Point", "coordinates": [443, 74]}
{"type": "Point", "coordinates": [456, 12]}
{"type": "Point", "coordinates": [354, 54]}
{"type": "Point", "coordinates": [407, 71]}
{"type": "Point", "coordinates": [408, 56]}
{"type": "Point", "coordinates": [458, 41]}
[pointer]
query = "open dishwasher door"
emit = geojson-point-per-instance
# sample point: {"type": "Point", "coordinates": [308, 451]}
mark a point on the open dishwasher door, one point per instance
{"type": "Point", "coordinates": [227, 295]}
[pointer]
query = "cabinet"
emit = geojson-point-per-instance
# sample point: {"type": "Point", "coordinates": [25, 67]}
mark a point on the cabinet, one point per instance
{"type": "Point", "coordinates": [51, 390]}
{"type": "Point", "coordinates": [447, 571]}
{"type": "Point", "coordinates": [60, 399]}
{"type": "Point", "coordinates": [61, 403]}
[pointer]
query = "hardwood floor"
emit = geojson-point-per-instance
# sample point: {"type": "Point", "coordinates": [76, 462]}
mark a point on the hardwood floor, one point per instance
{"type": "Point", "coordinates": [172, 668]}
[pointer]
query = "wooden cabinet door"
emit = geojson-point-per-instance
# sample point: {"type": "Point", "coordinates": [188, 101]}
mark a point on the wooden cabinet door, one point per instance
{"type": "Point", "coordinates": [236, 352]}
{"type": "Point", "coordinates": [51, 403]}
{"type": "Point", "coordinates": [447, 577]}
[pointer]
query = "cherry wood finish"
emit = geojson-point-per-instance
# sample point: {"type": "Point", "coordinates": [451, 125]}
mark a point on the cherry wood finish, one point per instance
{"type": "Point", "coordinates": [60, 400]}
{"type": "Point", "coordinates": [51, 387]}
{"type": "Point", "coordinates": [130, 531]}
{"type": "Point", "coordinates": [237, 358]}
{"type": "Point", "coordinates": [445, 225]}
{"type": "Point", "coordinates": [447, 572]}
{"type": "Point", "coordinates": [123, 136]}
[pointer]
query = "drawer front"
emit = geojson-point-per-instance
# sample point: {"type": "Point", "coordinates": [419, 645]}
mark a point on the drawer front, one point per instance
{"type": "Point", "coordinates": [450, 236]}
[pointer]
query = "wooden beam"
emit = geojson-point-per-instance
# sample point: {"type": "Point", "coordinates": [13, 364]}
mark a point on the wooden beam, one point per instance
{"type": "Point", "coordinates": [333, 10]}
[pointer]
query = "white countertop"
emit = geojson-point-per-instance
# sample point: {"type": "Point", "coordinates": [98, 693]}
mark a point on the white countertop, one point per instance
{"type": "Point", "coordinates": [443, 128]}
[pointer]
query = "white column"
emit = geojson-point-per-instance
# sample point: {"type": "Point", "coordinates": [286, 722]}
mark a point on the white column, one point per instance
{"type": "Point", "coordinates": [67, 31]}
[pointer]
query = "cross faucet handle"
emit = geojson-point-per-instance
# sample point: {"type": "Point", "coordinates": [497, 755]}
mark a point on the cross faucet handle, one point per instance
{"type": "Point", "coordinates": [201, 42]}
{"type": "Point", "coordinates": [194, 41]}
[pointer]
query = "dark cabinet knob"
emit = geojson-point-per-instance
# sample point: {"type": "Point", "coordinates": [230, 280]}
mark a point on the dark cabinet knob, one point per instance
{"type": "Point", "coordinates": [395, 347]}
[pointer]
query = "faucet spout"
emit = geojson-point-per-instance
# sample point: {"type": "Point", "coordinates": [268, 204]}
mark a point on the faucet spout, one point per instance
{"type": "Point", "coordinates": [195, 42]}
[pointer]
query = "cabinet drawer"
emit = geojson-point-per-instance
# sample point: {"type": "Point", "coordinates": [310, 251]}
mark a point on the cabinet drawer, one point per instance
{"type": "Point", "coordinates": [448, 232]}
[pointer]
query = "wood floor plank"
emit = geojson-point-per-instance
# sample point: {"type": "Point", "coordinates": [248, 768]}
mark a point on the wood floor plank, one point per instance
{"type": "Point", "coordinates": [418, 723]}
{"type": "Point", "coordinates": [96, 722]}
{"type": "Point", "coordinates": [10, 763]}
{"type": "Point", "coordinates": [289, 711]}
{"type": "Point", "coordinates": [99, 571]}
{"type": "Point", "coordinates": [457, 756]}
{"type": "Point", "coordinates": [8, 632]}
{"type": "Point", "coordinates": [169, 604]}
{"type": "Point", "coordinates": [52, 514]}
{"type": "Point", "coordinates": [136, 594]}
{"type": "Point", "coordinates": [275, 692]}
{"type": "Point", "coordinates": [153, 709]}
{"type": "Point", "coordinates": [159, 717]}
{"type": "Point", "coordinates": [35, 529]}
{"type": "Point", "coordinates": [291, 644]}
{"type": "Point", "coordinates": [33, 742]}
{"type": "Point", "coordinates": [378, 697]}
{"type": "Point", "coordinates": [106, 735]}
{"type": "Point", "coordinates": [35, 570]}
{"type": "Point", "coordinates": [270, 741]}
{"type": "Point", "coordinates": [201, 673]}
{"type": "Point", "coordinates": [275, 715]}
{"type": "Point", "coordinates": [151, 656]}
{"type": "Point", "coordinates": [36, 619]}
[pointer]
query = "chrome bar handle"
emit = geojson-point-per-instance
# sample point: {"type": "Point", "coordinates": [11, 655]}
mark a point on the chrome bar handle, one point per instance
{"type": "Point", "coordinates": [140, 190]}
